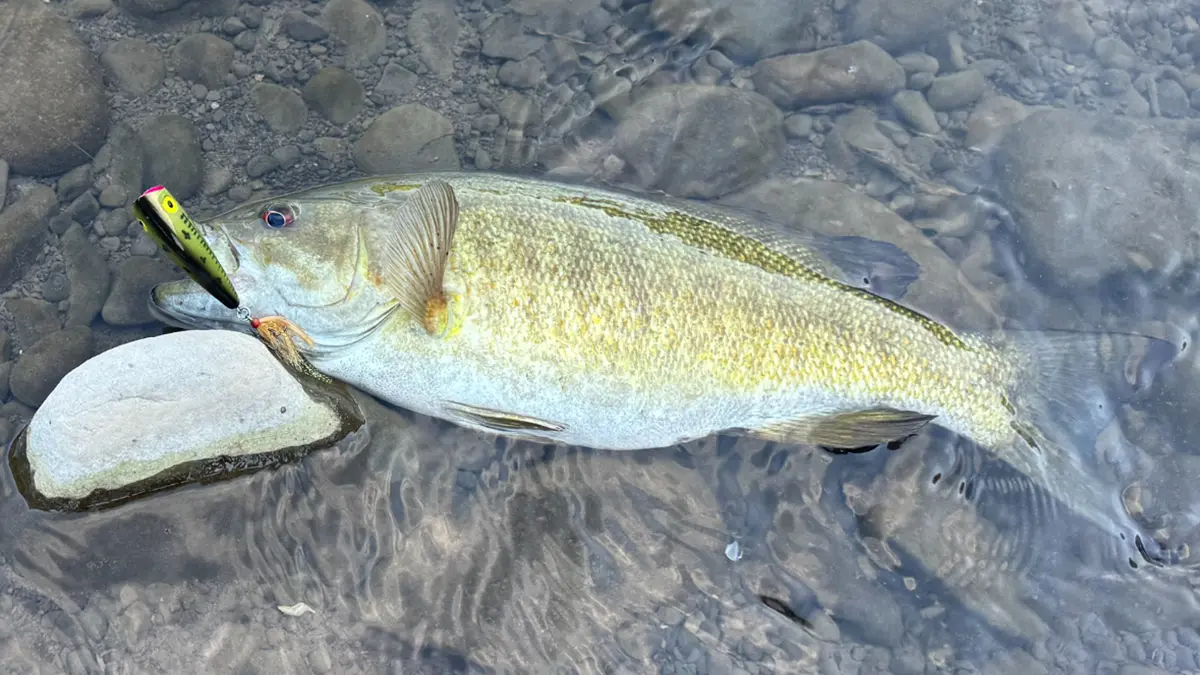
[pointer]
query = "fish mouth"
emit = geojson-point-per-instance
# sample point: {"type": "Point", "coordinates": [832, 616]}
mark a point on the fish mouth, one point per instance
{"type": "Point", "coordinates": [185, 304]}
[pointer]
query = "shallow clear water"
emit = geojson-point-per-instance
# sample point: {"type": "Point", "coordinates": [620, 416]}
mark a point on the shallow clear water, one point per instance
{"type": "Point", "coordinates": [1035, 161]}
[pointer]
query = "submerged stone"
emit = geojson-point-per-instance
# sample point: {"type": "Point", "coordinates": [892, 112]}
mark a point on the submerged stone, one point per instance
{"type": "Point", "coordinates": [174, 409]}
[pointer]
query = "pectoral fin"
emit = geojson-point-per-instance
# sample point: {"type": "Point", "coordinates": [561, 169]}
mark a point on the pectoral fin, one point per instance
{"type": "Point", "coordinates": [415, 253]}
{"type": "Point", "coordinates": [501, 421]}
{"type": "Point", "coordinates": [845, 431]}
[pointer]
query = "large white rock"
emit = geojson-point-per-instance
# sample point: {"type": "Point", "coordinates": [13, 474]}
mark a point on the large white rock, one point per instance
{"type": "Point", "coordinates": [136, 410]}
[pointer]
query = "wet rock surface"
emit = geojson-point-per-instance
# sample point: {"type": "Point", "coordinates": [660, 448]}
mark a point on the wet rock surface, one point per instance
{"type": "Point", "coordinates": [845, 73]}
{"type": "Point", "coordinates": [43, 132]}
{"type": "Point", "coordinates": [699, 141]}
{"type": "Point", "coordinates": [41, 366]}
{"type": "Point", "coordinates": [1076, 185]}
{"type": "Point", "coordinates": [119, 420]}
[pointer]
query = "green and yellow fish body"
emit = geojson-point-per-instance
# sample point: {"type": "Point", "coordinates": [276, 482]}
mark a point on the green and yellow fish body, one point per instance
{"type": "Point", "coordinates": [589, 316]}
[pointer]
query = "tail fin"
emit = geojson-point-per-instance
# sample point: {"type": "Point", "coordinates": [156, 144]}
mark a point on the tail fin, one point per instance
{"type": "Point", "coordinates": [1068, 388]}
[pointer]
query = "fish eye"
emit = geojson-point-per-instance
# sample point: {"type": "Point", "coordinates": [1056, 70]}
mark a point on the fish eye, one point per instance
{"type": "Point", "coordinates": [277, 216]}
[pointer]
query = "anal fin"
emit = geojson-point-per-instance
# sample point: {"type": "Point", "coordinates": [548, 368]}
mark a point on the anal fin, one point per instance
{"type": "Point", "coordinates": [416, 252]}
{"type": "Point", "coordinates": [501, 421]}
{"type": "Point", "coordinates": [847, 431]}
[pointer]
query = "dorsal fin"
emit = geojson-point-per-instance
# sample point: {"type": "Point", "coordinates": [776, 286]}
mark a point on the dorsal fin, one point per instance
{"type": "Point", "coordinates": [416, 250]}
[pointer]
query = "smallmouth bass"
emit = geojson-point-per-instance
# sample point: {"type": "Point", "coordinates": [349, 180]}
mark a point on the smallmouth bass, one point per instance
{"type": "Point", "coordinates": [580, 315]}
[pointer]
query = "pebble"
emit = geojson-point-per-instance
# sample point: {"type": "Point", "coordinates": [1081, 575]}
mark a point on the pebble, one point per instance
{"type": "Point", "coordinates": [916, 111]}
{"type": "Point", "coordinates": [1066, 26]}
{"type": "Point", "coordinates": [956, 90]}
{"type": "Point", "coordinates": [114, 196]}
{"type": "Point", "coordinates": [1172, 99]}
{"type": "Point", "coordinates": [88, 9]}
{"type": "Point", "coordinates": [1114, 81]}
{"type": "Point", "coordinates": [173, 154]}
{"type": "Point", "coordinates": [87, 274]}
{"type": "Point", "coordinates": [203, 58]}
{"type": "Point", "coordinates": [56, 288]}
{"type": "Point", "coordinates": [83, 209]}
{"type": "Point", "coordinates": [135, 66]}
{"type": "Point", "coordinates": [409, 137]}
{"type": "Point", "coordinates": [282, 109]}
{"type": "Point", "coordinates": [1113, 52]}
{"type": "Point", "coordinates": [524, 74]}
{"type": "Point", "coordinates": [260, 165]}
{"type": "Point", "coordinates": [286, 156]}
{"type": "Point", "coordinates": [127, 302]}
{"type": "Point", "coordinates": [33, 319]}
{"type": "Point", "coordinates": [799, 125]}
{"type": "Point", "coordinates": [395, 82]}
{"type": "Point", "coordinates": [359, 27]}
{"type": "Point", "coordinates": [40, 367]}
{"type": "Point", "coordinates": [432, 30]}
{"type": "Point", "coordinates": [844, 73]}
{"type": "Point", "coordinates": [299, 26]}
{"type": "Point", "coordinates": [23, 232]}
{"type": "Point", "coordinates": [335, 94]}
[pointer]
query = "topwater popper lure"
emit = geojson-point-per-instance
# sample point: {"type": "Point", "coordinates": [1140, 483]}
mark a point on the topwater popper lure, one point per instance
{"type": "Point", "coordinates": [163, 218]}
{"type": "Point", "coordinates": [165, 221]}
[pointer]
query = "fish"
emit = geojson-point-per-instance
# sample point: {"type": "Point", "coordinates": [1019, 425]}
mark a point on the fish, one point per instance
{"type": "Point", "coordinates": [599, 317]}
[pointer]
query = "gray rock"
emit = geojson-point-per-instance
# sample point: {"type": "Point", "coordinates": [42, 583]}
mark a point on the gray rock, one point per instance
{"type": "Point", "coordinates": [957, 90]}
{"type": "Point", "coordinates": [260, 165]}
{"type": "Point", "coordinates": [844, 73]}
{"type": "Point", "coordinates": [216, 180]}
{"type": "Point", "coordinates": [798, 125]}
{"type": "Point", "coordinates": [395, 82]}
{"type": "Point", "coordinates": [33, 320]}
{"type": "Point", "coordinates": [1114, 81]}
{"type": "Point", "coordinates": [3, 183]}
{"type": "Point", "coordinates": [286, 156]}
{"type": "Point", "coordinates": [128, 301]}
{"type": "Point", "coordinates": [123, 160]}
{"type": "Point", "coordinates": [74, 182]}
{"type": "Point", "coordinates": [5, 341]}
{"type": "Point", "coordinates": [172, 147]}
{"type": "Point", "coordinates": [989, 120]}
{"type": "Point", "coordinates": [150, 7]}
{"type": "Point", "coordinates": [114, 196]}
{"type": "Point", "coordinates": [524, 74]}
{"type": "Point", "coordinates": [1113, 52]}
{"type": "Point", "coordinates": [1095, 195]}
{"type": "Point", "coordinates": [1172, 99]}
{"type": "Point", "coordinates": [915, 110]}
{"type": "Point", "coordinates": [335, 95]}
{"type": "Point", "coordinates": [42, 366]}
{"type": "Point", "coordinates": [359, 27]}
{"type": "Point", "coordinates": [56, 288]}
{"type": "Point", "coordinates": [749, 30]}
{"type": "Point", "coordinates": [281, 108]}
{"type": "Point", "coordinates": [121, 418]}
{"type": "Point", "coordinates": [232, 26]}
{"type": "Point", "coordinates": [135, 66]}
{"type": "Point", "coordinates": [1066, 25]}
{"type": "Point", "coordinates": [301, 27]}
{"type": "Point", "coordinates": [409, 137]}
{"type": "Point", "coordinates": [519, 110]}
{"type": "Point", "coordinates": [88, 9]}
{"type": "Point", "coordinates": [918, 62]}
{"type": "Point", "coordinates": [42, 131]}
{"type": "Point", "coordinates": [898, 24]}
{"type": "Point", "coordinates": [433, 29]}
{"type": "Point", "coordinates": [506, 38]}
{"type": "Point", "coordinates": [83, 209]}
{"type": "Point", "coordinates": [835, 209]}
{"type": "Point", "coordinates": [203, 58]}
{"type": "Point", "coordinates": [23, 231]}
{"type": "Point", "coordinates": [699, 141]}
{"type": "Point", "coordinates": [5, 376]}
